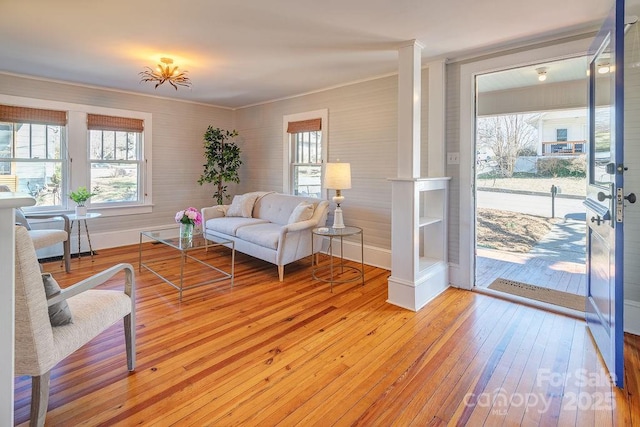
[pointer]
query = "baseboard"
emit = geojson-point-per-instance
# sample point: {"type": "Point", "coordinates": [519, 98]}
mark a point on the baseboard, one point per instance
{"type": "Point", "coordinates": [374, 256]}
{"type": "Point", "coordinates": [454, 276]}
{"type": "Point", "coordinates": [415, 295]}
{"type": "Point", "coordinates": [632, 317]}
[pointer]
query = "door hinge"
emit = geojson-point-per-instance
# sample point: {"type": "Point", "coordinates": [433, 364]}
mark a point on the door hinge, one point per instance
{"type": "Point", "coordinates": [619, 204]}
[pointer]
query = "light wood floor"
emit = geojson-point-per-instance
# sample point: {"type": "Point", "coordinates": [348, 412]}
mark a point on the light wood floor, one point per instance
{"type": "Point", "coordinates": [269, 353]}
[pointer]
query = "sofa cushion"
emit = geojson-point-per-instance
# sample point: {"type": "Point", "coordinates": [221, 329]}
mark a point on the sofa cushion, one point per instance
{"type": "Point", "coordinates": [265, 234]}
{"type": "Point", "coordinates": [230, 225]}
{"type": "Point", "coordinates": [302, 212]}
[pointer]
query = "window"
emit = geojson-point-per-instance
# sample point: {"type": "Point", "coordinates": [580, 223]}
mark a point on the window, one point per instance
{"type": "Point", "coordinates": [306, 149]}
{"type": "Point", "coordinates": [115, 159]}
{"type": "Point", "coordinates": [561, 135]}
{"type": "Point", "coordinates": [48, 148]}
{"type": "Point", "coordinates": [33, 153]}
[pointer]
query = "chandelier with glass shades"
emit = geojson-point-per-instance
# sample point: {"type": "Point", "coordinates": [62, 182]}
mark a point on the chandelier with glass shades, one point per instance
{"type": "Point", "coordinates": [166, 73]}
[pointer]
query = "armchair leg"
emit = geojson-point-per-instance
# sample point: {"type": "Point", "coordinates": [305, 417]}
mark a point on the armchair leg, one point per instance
{"type": "Point", "coordinates": [39, 399]}
{"type": "Point", "coordinates": [281, 272]}
{"type": "Point", "coordinates": [130, 341]}
{"type": "Point", "coordinates": [67, 254]}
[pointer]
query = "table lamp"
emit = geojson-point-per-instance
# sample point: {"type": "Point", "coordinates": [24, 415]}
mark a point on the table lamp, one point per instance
{"type": "Point", "coordinates": [337, 176]}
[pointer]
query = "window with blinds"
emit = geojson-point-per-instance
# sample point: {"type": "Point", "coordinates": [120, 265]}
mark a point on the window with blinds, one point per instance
{"type": "Point", "coordinates": [33, 155]}
{"type": "Point", "coordinates": [306, 153]}
{"type": "Point", "coordinates": [115, 159]}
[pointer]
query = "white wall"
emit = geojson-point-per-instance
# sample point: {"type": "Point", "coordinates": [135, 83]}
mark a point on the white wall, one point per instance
{"type": "Point", "coordinates": [362, 131]}
{"type": "Point", "coordinates": [575, 129]}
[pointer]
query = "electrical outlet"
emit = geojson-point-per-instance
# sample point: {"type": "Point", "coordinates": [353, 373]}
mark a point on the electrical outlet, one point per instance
{"type": "Point", "coordinates": [453, 158]}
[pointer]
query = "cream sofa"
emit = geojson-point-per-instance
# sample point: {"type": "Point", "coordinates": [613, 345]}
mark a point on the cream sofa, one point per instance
{"type": "Point", "coordinates": [273, 227]}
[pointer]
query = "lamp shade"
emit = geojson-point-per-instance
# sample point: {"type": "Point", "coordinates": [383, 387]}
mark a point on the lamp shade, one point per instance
{"type": "Point", "coordinates": [337, 176]}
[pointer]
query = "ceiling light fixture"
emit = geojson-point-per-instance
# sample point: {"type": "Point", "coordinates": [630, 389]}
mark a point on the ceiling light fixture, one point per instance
{"type": "Point", "coordinates": [604, 68]}
{"type": "Point", "coordinates": [542, 73]}
{"type": "Point", "coordinates": [165, 73]}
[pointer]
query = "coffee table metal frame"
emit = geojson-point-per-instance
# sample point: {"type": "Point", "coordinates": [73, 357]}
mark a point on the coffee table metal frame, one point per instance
{"type": "Point", "coordinates": [170, 237]}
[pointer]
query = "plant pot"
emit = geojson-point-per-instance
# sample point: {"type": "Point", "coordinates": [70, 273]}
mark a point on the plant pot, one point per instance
{"type": "Point", "coordinates": [81, 210]}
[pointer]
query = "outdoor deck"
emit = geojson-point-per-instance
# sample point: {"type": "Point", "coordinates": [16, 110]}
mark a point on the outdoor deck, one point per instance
{"type": "Point", "coordinates": [566, 276]}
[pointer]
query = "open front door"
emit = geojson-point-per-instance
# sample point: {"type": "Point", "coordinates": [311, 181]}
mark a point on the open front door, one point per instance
{"type": "Point", "coordinates": [605, 193]}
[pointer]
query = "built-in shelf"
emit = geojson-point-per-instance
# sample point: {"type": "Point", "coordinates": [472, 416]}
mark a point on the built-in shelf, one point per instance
{"type": "Point", "coordinates": [419, 241]}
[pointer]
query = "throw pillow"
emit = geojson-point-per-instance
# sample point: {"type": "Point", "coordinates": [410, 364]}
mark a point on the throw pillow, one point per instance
{"type": "Point", "coordinates": [242, 205]}
{"type": "Point", "coordinates": [247, 204]}
{"type": "Point", "coordinates": [59, 313]}
{"type": "Point", "coordinates": [235, 208]}
{"type": "Point", "coordinates": [302, 212]}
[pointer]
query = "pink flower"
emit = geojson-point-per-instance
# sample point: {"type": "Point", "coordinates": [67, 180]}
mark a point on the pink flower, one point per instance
{"type": "Point", "coordinates": [189, 216]}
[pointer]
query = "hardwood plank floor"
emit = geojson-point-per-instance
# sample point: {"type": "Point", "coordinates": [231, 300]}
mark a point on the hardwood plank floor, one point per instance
{"type": "Point", "coordinates": [293, 353]}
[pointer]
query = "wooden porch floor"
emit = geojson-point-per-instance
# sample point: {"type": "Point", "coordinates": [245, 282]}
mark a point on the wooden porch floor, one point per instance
{"type": "Point", "coordinates": [269, 353]}
{"type": "Point", "coordinates": [566, 276]}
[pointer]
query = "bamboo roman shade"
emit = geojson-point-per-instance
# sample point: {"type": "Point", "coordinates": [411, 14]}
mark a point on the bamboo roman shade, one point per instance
{"type": "Point", "coordinates": [12, 114]}
{"type": "Point", "coordinates": [311, 125]}
{"type": "Point", "coordinates": [100, 122]}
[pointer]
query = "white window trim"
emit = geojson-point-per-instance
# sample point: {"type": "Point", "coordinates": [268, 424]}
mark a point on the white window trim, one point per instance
{"type": "Point", "coordinates": [78, 172]}
{"type": "Point", "coordinates": [286, 143]}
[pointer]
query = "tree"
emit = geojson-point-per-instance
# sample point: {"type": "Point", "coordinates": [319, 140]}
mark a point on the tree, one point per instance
{"type": "Point", "coordinates": [506, 136]}
{"type": "Point", "coordinates": [223, 161]}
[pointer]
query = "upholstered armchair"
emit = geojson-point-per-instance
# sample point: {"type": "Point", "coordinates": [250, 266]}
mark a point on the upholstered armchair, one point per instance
{"type": "Point", "coordinates": [39, 344]}
{"type": "Point", "coordinates": [43, 238]}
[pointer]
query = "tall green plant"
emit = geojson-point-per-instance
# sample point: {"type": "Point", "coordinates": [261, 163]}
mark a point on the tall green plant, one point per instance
{"type": "Point", "coordinates": [223, 161]}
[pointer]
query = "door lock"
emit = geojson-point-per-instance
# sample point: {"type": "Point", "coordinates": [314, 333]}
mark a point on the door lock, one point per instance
{"type": "Point", "coordinates": [597, 219]}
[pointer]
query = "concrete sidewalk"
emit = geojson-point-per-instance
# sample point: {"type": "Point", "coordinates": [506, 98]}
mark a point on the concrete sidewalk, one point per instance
{"type": "Point", "coordinates": [565, 242]}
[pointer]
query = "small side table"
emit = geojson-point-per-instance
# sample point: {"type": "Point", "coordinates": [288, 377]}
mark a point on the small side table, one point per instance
{"type": "Point", "coordinates": [78, 218]}
{"type": "Point", "coordinates": [332, 233]}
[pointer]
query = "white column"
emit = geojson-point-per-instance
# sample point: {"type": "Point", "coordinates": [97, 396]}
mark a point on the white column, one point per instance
{"type": "Point", "coordinates": [418, 240]}
{"type": "Point", "coordinates": [409, 102]}
{"type": "Point", "coordinates": [8, 202]}
{"type": "Point", "coordinates": [437, 124]}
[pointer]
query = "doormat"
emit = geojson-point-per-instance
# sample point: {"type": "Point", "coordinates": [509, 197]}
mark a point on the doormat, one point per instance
{"type": "Point", "coordinates": [551, 296]}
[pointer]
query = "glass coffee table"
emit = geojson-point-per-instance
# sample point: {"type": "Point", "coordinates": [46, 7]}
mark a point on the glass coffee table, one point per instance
{"type": "Point", "coordinates": [170, 237]}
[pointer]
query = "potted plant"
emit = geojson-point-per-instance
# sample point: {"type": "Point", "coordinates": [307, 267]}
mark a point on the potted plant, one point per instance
{"type": "Point", "coordinates": [80, 196]}
{"type": "Point", "coordinates": [223, 161]}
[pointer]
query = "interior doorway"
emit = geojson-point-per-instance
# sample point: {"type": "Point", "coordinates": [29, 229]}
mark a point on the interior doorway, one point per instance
{"type": "Point", "coordinates": [530, 178]}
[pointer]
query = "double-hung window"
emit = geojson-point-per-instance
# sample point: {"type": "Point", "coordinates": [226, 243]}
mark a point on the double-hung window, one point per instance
{"type": "Point", "coordinates": [115, 159]}
{"type": "Point", "coordinates": [306, 150]}
{"type": "Point", "coordinates": [33, 155]}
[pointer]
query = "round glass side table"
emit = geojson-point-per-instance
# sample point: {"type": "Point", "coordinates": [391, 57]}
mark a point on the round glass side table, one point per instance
{"type": "Point", "coordinates": [337, 272]}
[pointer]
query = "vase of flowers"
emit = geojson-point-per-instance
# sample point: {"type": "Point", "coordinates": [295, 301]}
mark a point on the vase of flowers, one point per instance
{"type": "Point", "coordinates": [188, 219]}
{"type": "Point", "coordinates": [80, 196]}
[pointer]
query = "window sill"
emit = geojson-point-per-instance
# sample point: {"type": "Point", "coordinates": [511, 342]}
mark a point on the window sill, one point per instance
{"type": "Point", "coordinates": [105, 211]}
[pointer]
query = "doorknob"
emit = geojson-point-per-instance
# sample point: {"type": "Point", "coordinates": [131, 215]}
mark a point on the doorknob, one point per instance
{"type": "Point", "coordinates": [631, 198]}
{"type": "Point", "coordinates": [602, 197]}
